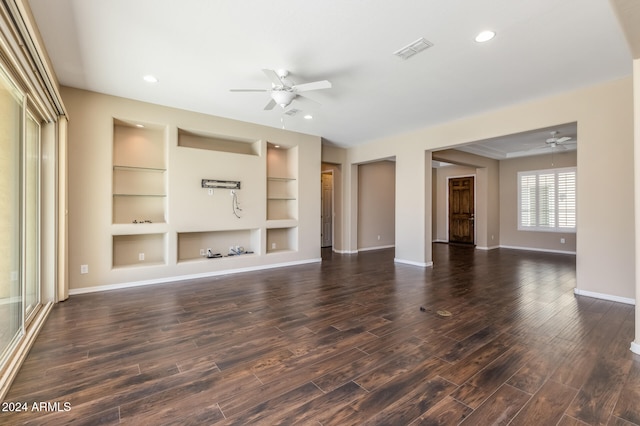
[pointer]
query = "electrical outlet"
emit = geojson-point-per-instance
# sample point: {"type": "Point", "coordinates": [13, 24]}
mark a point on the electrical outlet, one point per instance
{"type": "Point", "coordinates": [273, 246]}
{"type": "Point", "coordinates": [202, 252]}
{"type": "Point", "coordinates": [140, 256]}
{"type": "Point", "coordinates": [378, 237]}
{"type": "Point", "coordinates": [562, 241]}
{"type": "Point", "coordinates": [84, 269]}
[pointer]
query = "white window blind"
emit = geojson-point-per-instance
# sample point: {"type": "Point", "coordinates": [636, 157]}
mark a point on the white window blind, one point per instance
{"type": "Point", "coordinates": [547, 200]}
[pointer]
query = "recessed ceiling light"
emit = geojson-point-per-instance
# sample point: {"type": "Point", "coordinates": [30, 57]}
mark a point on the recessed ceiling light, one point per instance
{"type": "Point", "coordinates": [150, 78]}
{"type": "Point", "coordinates": [308, 117]}
{"type": "Point", "coordinates": [276, 146]}
{"type": "Point", "coordinates": [485, 36]}
{"type": "Point", "coordinates": [140, 125]}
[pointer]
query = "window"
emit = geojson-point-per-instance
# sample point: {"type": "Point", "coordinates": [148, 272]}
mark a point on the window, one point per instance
{"type": "Point", "coordinates": [547, 200]}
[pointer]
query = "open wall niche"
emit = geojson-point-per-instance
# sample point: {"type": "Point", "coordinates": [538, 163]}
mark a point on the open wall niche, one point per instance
{"type": "Point", "coordinates": [282, 182]}
{"type": "Point", "coordinates": [194, 245]}
{"type": "Point", "coordinates": [282, 239]}
{"type": "Point", "coordinates": [139, 250]}
{"type": "Point", "coordinates": [139, 173]}
{"type": "Point", "coordinates": [200, 140]}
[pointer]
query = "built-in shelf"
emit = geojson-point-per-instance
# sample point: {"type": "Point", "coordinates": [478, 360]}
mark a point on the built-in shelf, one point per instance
{"type": "Point", "coordinates": [139, 195]}
{"type": "Point", "coordinates": [237, 242]}
{"type": "Point", "coordinates": [282, 184]}
{"type": "Point", "coordinates": [220, 143]}
{"type": "Point", "coordinates": [139, 250]}
{"type": "Point", "coordinates": [282, 240]}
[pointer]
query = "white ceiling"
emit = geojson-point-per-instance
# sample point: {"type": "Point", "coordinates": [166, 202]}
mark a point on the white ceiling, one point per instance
{"type": "Point", "coordinates": [199, 49]}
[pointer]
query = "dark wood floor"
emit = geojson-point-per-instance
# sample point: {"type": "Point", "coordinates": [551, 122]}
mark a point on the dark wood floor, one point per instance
{"type": "Point", "coordinates": [342, 343]}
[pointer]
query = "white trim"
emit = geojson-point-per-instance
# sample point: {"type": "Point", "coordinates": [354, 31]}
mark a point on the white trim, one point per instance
{"type": "Point", "coordinates": [165, 280]}
{"type": "Point", "coordinates": [376, 248]}
{"type": "Point", "coordinates": [439, 241]}
{"type": "Point", "coordinates": [411, 262]}
{"type": "Point", "coordinates": [346, 251]}
{"type": "Point", "coordinates": [603, 296]}
{"type": "Point", "coordinates": [635, 348]}
{"type": "Point", "coordinates": [487, 248]}
{"type": "Point", "coordinates": [539, 249]}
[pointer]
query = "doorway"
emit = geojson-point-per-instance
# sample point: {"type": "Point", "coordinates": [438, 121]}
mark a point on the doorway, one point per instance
{"type": "Point", "coordinates": [462, 210]}
{"type": "Point", "coordinates": [326, 231]}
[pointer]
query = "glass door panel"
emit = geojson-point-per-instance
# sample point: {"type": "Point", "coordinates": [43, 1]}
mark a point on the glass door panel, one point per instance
{"type": "Point", "coordinates": [32, 216]}
{"type": "Point", "coordinates": [11, 301]}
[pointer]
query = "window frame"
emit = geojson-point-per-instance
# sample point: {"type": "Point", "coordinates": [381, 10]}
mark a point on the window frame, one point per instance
{"type": "Point", "coordinates": [557, 210]}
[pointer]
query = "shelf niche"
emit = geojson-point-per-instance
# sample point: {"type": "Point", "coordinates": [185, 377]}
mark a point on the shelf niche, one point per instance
{"type": "Point", "coordinates": [197, 140]}
{"type": "Point", "coordinates": [139, 173]}
{"type": "Point", "coordinates": [282, 183]}
{"type": "Point", "coordinates": [190, 243]}
{"type": "Point", "coordinates": [138, 250]}
{"type": "Point", "coordinates": [282, 239]}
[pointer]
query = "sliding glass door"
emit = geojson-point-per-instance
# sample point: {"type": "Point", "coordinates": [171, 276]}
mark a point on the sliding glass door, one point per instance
{"type": "Point", "coordinates": [11, 292]}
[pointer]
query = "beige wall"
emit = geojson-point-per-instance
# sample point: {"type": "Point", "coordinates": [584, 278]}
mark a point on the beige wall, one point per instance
{"type": "Point", "coordinates": [604, 113]}
{"type": "Point", "coordinates": [509, 234]}
{"type": "Point", "coordinates": [376, 205]}
{"type": "Point", "coordinates": [189, 208]}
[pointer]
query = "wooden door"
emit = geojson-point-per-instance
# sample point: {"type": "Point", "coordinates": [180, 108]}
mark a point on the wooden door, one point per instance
{"type": "Point", "coordinates": [461, 210]}
{"type": "Point", "coordinates": [327, 209]}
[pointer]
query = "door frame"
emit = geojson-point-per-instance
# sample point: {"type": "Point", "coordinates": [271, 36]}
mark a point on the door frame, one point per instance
{"type": "Point", "coordinates": [333, 206]}
{"type": "Point", "coordinates": [475, 210]}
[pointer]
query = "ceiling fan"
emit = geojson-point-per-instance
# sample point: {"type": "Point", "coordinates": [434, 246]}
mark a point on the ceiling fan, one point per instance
{"type": "Point", "coordinates": [554, 141]}
{"type": "Point", "coordinates": [283, 91]}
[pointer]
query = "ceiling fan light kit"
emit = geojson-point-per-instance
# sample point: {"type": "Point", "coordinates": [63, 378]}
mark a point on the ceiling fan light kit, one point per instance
{"type": "Point", "coordinates": [283, 91]}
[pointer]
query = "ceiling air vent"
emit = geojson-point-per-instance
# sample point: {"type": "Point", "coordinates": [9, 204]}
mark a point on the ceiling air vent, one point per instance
{"type": "Point", "coordinates": [292, 111]}
{"type": "Point", "coordinates": [417, 46]}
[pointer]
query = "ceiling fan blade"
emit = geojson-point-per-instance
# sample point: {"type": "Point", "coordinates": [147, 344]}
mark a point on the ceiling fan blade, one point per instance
{"type": "Point", "coordinates": [563, 139]}
{"type": "Point", "coordinates": [270, 105]}
{"type": "Point", "coordinates": [273, 77]}
{"type": "Point", "coordinates": [316, 85]}
{"type": "Point", "coordinates": [248, 90]}
{"type": "Point", "coordinates": [307, 100]}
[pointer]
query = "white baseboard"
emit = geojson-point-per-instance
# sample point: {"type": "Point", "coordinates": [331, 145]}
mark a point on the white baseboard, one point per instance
{"type": "Point", "coordinates": [635, 348]}
{"type": "Point", "coordinates": [165, 280]}
{"type": "Point", "coordinates": [538, 249]}
{"type": "Point", "coordinates": [487, 248]}
{"type": "Point", "coordinates": [346, 251]}
{"type": "Point", "coordinates": [603, 296]}
{"type": "Point", "coordinates": [376, 248]}
{"type": "Point", "coordinates": [411, 262]}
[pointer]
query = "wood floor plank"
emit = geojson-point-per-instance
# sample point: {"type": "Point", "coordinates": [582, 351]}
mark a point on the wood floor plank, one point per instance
{"type": "Point", "coordinates": [499, 408]}
{"type": "Point", "coordinates": [547, 406]}
{"type": "Point", "coordinates": [598, 396]}
{"type": "Point", "coordinates": [628, 405]}
{"type": "Point", "coordinates": [293, 345]}
{"type": "Point", "coordinates": [447, 411]}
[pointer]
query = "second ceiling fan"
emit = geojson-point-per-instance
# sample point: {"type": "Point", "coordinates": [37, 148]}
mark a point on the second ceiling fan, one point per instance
{"type": "Point", "coordinates": [283, 91]}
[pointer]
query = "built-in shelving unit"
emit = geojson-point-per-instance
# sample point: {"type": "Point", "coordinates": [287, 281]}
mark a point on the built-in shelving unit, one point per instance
{"type": "Point", "coordinates": [282, 199]}
{"type": "Point", "coordinates": [139, 173]}
{"type": "Point", "coordinates": [139, 250]}
{"type": "Point", "coordinates": [195, 245]}
{"type": "Point", "coordinates": [201, 140]}
{"type": "Point", "coordinates": [282, 184]}
{"type": "Point", "coordinates": [139, 194]}
{"type": "Point", "coordinates": [282, 239]}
